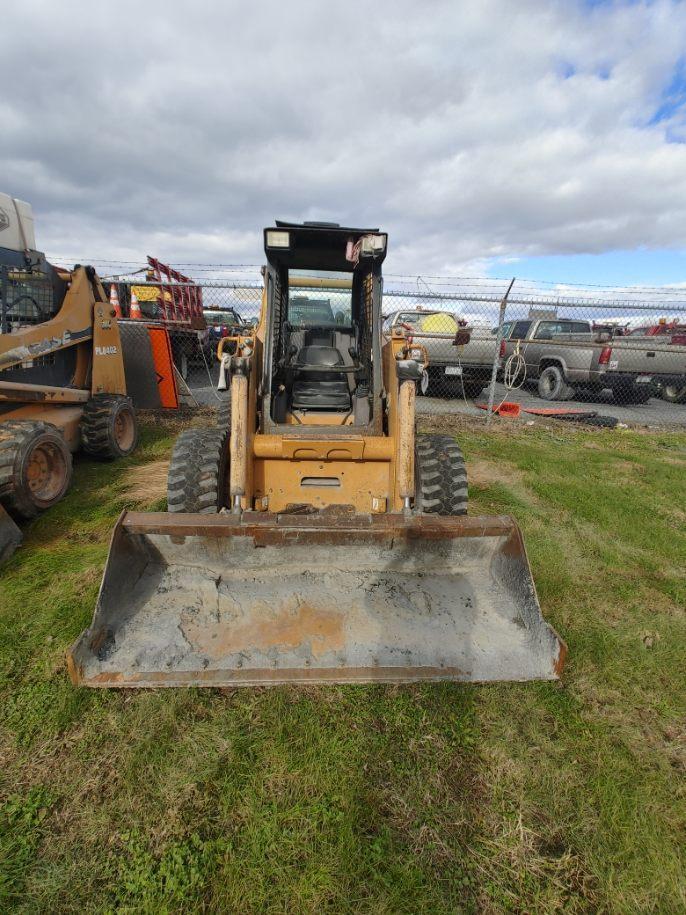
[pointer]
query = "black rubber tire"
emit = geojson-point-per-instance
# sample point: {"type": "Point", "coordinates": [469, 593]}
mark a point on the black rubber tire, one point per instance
{"type": "Point", "coordinates": [672, 393]}
{"type": "Point", "coordinates": [104, 418]}
{"type": "Point", "coordinates": [224, 414]}
{"type": "Point", "coordinates": [440, 476]}
{"type": "Point", "coordinates": [198, 471]}
{"type": "Point", "coordinates": [552, 384]}
{"type": "Point", "coordinates": [19, 441]}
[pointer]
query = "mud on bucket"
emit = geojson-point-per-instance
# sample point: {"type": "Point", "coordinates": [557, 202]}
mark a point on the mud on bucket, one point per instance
{"type": "Point", "coordinates": [200, 600]}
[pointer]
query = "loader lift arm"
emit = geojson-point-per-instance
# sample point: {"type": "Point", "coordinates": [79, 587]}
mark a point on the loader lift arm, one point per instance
{"type": "Point", "coordinates": [84, 318]}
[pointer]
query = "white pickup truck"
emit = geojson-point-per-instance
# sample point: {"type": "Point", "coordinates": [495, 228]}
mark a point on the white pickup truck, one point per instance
{"type": "Point", "coordinates": [460, 357]}
{"type": "Point", "coordinates": [565, 354]}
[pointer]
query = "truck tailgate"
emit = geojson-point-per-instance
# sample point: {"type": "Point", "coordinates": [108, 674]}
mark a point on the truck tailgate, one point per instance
{"type": "Point", "coordinates": [648, 356]}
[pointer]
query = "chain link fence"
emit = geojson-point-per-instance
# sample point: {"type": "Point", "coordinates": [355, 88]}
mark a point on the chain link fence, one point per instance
{"type": "Point", "coordinates": [515, 347]}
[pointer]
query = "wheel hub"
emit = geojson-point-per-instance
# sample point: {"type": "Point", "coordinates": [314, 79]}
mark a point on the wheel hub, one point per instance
{"type": "Point", "coordinates": [124, 430]}
{"type": "Point", "coordinates": [45, 471]}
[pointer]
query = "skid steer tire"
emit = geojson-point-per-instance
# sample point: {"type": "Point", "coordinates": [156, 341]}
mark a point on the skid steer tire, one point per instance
{"type": "Point", "coordinates": [440, 476]}
{"type": "Point", "coordinates": [224, 415]}
{"type": "Point", "coordinates": [198, 471]}
{"type": "Point", "coordinates": [35, 467]}
{"type": "Point", "coordinates": [108, 427]}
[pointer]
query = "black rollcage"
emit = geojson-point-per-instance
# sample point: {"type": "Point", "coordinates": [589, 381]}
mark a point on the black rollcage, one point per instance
{"type": "Point", "coordinates": [366, 300]}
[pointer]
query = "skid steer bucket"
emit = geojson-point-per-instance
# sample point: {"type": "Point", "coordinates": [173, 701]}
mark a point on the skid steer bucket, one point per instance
{"type": "Point", "coordinates": [223, 601]}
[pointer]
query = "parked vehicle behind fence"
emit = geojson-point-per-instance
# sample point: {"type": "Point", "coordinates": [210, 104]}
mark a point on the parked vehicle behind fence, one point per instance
{"type": "Point", "coordinates": [669, 332]}
{"type": "Point", "coordinates": [565, 356]}
{"type": "Point", "coordinates": [222, 322]}
{"type": "Point", "coordinates": [455, 369]}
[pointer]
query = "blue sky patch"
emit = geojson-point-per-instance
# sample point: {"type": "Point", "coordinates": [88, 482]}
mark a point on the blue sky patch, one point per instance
{"type": "Point", "coordinates": [613, 268]}
{"type": "Point", "coordinates": [674, 95]}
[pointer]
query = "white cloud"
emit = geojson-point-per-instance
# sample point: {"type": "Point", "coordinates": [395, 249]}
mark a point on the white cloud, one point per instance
{"type": "Point", "coordinates": [468, 130]}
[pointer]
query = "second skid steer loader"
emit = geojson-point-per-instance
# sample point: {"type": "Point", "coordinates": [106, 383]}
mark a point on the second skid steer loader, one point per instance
{"type": "Point", "coordinates": [62, 381]}
{"type": "Point", "coordinates": [311, 535]}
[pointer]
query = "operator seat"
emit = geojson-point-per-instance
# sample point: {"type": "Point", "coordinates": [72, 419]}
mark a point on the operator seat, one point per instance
{"type": "Point", "coordinates": [324, 390]}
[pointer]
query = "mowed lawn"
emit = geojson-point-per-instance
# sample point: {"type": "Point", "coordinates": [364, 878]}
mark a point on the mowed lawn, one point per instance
{"type": "Point", "coordinates": [447, 798]}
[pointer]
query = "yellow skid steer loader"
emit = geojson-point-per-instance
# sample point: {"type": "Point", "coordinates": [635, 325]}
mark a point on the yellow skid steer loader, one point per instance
{"type": "Point", "coordinates": [62, 380]}
{"type": "Point", "coordinates": [312, 536]}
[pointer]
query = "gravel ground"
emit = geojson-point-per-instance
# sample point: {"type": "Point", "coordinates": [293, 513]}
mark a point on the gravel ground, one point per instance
{"type": "Point", "coordinates": [656, 412]}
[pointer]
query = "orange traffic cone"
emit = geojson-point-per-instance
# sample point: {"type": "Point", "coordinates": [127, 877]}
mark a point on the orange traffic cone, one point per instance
{"type": "Point", "coordinates": [135, 309]}
{"type": "Point", "coordinates": [114, 300]}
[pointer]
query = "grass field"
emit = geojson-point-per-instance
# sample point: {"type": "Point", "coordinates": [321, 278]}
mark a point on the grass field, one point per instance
{"type": "Point", "coordinates": [547, 797]}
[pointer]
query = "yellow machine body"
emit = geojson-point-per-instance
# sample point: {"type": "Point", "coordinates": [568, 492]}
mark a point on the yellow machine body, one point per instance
{"type": "Point", "coordinates": [62, 386]}
{"type": "Point", "coordinates": [84, 322]}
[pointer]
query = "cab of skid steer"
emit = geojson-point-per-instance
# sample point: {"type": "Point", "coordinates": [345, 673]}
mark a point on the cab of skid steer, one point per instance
{"type": "Point", "coordinates": [321, 328]}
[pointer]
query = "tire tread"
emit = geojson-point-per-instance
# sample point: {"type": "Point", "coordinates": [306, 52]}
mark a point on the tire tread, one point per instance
{"type": "Point", "coordinates": [96, 424]}
{"type": "Point", "coordinates": [15, 435]}
{"type": "Point", "coordinates": [440, 476]}
{"type": "Point", "coordinates": [197, 471]}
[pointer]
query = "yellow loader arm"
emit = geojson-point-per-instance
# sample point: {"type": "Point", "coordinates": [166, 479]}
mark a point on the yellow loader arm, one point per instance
{"type": "Point", "coordinates": [85, 316]}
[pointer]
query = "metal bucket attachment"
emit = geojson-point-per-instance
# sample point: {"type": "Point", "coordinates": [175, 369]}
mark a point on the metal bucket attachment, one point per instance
{"type": "Point", "coordinates": [198, 600]}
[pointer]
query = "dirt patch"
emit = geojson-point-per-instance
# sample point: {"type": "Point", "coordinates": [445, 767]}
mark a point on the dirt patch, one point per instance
{"type": "Point", "coordinates": [625, 472]}
{"type": "Point", "coordinates": [482, 473]}
{"type": "Point", "coordinates": [148, 482]}
{"type": "Point", "coordinates": [447, 423]}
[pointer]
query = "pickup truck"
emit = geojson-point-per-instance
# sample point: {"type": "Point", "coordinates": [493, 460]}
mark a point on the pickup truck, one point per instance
{"type": "Point", "coordinates": [221, 322]}
{"type": "Point", "coordinates": [460, 357]}
{"type": "Point", "coordinates": [563, 355]}
{"type": "Point", "coordinates": [670, 333]}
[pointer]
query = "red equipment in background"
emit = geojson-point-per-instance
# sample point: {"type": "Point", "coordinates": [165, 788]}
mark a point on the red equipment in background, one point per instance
{"type": "Point", "coordinates": [179, 299]}
{"type": "Point", "coordinates": [672, 329]}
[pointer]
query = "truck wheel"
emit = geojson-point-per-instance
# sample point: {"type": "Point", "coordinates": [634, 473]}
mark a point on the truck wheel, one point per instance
{"type": "Point", "coordinates": [673, 393]}
{"type": "Point", "coordinates": [199, 471]}
{"type": "Point", "coordinates": [35, 467]}
{"type": "Point", "coordinates": [440, 476]}
{"type": "Point", "coordinates": [108, 427]}
{"type": "Point", "coordinates": [552, 384]}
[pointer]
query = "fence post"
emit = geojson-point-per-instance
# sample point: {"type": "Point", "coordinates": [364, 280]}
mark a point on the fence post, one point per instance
{"type": "Point", "coordinates": [496, 356]}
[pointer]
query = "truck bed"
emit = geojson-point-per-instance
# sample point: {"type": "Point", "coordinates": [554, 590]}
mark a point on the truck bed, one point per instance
{"type": "Point", "coordinates": [655, 356]}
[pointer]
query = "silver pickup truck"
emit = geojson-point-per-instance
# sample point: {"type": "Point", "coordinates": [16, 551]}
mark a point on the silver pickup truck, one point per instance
{"type": "Point", "coordinates": [455, 368]}
{"type": "Point", "coordinates": [564, 354]}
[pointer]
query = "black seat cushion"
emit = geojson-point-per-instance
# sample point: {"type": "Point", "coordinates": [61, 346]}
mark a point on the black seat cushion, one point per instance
{"type": "Point", "coordinates": [321, 395]}
{"type": "Point", "coordinates": [320, 390]}
{"type": "Point", "coordinates": [320, 355]}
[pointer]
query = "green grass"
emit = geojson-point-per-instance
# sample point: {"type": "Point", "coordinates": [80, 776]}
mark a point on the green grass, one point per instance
{"type": "Point", "coordinates": [563, 797]}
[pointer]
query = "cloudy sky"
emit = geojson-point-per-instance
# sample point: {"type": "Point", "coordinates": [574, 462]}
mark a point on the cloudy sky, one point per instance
{"type": "Point", "coordinates": [542, 138]}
